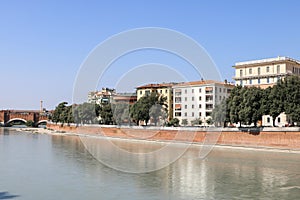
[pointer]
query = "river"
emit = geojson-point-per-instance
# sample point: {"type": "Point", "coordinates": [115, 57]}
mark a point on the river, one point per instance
{"type": "Point", "coordinates": [54, 167]}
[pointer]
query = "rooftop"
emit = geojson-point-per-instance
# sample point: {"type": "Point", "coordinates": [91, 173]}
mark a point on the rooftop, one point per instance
{"type": "Point", "coordinates": [204, 82]}
{"type": "Point", "coordinates": [156, 85]}
{"type": "Point", "coordinates": [267, 60]}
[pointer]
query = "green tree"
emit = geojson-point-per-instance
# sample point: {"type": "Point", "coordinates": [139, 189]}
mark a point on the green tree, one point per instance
{"type": "Point", "coordinates": [141, 109]}
{"type": "Point", "coordinates": [58, 115]}
{"type": "Point", "coordinates": [220, 114]}
{"type": "Point", "coordinates": [276, 101]}
{"type": "Point", "coordinates": [196, 122]}
{"type": "Point", "coordinates": [30, 123]}
{"type": "Point", "coordinates": [234, 104]}
{"type": "Point", "coordinates": [250, 108]}
{"type": "Point", "coordinates": [291, 100]}
{"type": "Point", "coordinates": [121, 113]}
{"type": "Point", "coordinates": [173, 122]}
{"type": "Point", "coordinates": [106, 114]}
{"type": "Point", "coordinates": [184, 122]}
{"type": "Point", "coordinates": [85, 113]}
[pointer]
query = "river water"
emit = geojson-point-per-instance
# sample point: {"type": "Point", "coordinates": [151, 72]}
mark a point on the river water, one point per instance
{"type": "Point", "coordinates": [42, 167]}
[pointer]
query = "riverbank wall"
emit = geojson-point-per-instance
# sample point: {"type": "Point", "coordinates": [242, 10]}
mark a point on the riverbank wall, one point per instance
{"type": "Point", "coordinates": [279, 138]}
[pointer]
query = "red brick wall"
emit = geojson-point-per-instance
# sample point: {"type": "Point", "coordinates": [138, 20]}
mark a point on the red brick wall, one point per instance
{"type": "Point", "coordinates": [284, 140]}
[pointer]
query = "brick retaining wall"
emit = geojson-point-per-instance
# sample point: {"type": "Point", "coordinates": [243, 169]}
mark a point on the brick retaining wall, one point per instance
{"type": "Point", "coordinates": [278, 139]}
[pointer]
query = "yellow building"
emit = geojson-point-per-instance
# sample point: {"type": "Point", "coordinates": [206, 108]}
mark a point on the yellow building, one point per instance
{"type": "Point", "coordinates": [265, 73]}
{"type": "Point", "coordinates": [164, 89]}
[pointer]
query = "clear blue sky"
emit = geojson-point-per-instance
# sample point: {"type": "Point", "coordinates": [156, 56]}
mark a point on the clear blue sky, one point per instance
{"type": "Point", "coordinates": [43, 43]}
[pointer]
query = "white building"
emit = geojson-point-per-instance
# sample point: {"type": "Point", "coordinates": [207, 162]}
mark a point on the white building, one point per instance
{"type": "Point", "coordinates": [100, 97]}
{"type": "Point", "coordinates": [196, 100]}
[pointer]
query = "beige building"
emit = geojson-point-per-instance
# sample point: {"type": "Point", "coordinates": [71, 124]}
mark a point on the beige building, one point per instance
{"type": "Point", "coordinates": [164, 89]}
{"type": "Point", "coordinates": [197, 99]}
{"type": "Point", "coordinates": [265, 73]}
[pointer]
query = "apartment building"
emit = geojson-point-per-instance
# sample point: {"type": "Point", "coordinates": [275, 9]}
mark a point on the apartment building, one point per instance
{"type": "Point", "coordinates": [164, 89]}
{"type": "Point", "coordinates": [196, 100]}
{"type": "Point", "coordinates": [103, 96]}
{"type": "Point", "coordinates": [265, 73]}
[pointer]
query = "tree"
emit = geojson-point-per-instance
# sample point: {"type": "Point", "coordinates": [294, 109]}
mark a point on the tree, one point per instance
{"type": "Point", "coordinates": [85, 113]}
{"type": "Point", "coordinates": [209, 121]}
{"type": "Point", "coordinates": [184, 122]}
{"type": "Point", "coordinates": [196, 122]}
{"type": "Point", "coordinates": [275, 101]}
{"type": "Point", "coordinates": [121, 113]}
{"type": "Point", "coordinates": [106, 114]}
{"type": "Point", "coordinates": [30, 123]}
{"type": "Point", "coordinates": [291, 93]}
{"type": "Point", "coordinates": [220, 114]}
{"type": "Point", "coordinates": [250, 109]}
{"type": "Point", "coordinates": [58, 115]}
{"type": "Point", "coordinates": [173, 122]}
{"type": "Point", "coordinates": [234, 104]}
{"type": "Point", "coordinates": [141, 109]}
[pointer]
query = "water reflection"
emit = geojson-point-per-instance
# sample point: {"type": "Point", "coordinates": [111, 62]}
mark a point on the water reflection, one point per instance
{"type": "Point", "coordinates": [59, 167]}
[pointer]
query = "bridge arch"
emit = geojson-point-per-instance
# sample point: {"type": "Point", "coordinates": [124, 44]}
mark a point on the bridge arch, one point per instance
{"type": "Point", "coordinates": [41, 121]}
{"type": "Point", "coordinates": [16, 119]}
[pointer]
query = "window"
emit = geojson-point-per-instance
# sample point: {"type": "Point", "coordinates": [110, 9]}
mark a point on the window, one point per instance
{"type": "Point", "coordinates": [192, 90]}
{"type": "Point", "coordinates": [193, 98]}
{"type": "Point", "coordinates": [193, 106]}
{"type": "Point", "coordinates": [258, 71]}
{"type": "Point", "coordinates": [141, 92]}
{"type": "Point", "coordinates": [199, 90]}
{"type": "Point", "coordinates": [250, 71]}
{"type": "Point", "coordinates": [268, 69]}
{"type": "Point", "coordinates": [220, 90]}
{"type": "Point", "coordinates": [185, 114]}
{"type": "Point", "coordinates": [278, 119]}
{"type": "Point", "coordinates": [241, 83]}
{"type": "Point", "coordinates": [241, 73]}
{"type": "Point", "coordinates": [258, 81]}
{"type": "Point", "coordinates": [200, 114]}
{"type": "Point", "coordinates": [177, 99]}
{"type": "Point", "coordinates": [200, 106]}
{"type": "Point", "coordinates": [224, 90]}
{"type": "Point", "coordinates": [200, 98]}
{"type": "Point", "coordinates": [268, 80]}
{"type": "Point", "coordinates": [193, 114]}
{"type": "Point", "coordinates": [250, 81]}
{"type": "Point", "coordinates": [185, 106]}
{"type": "Point", "coordinates": [177, 114]}
{"type": "Point", "coordinates": [185, 91]}
{"type": "Point", "coordinates": [268, 120]}
{"type": "Point", "coordinates": [185, 98]}
{"type": "Point", "coordinates": [208, 114]}
{"type": "Point", "coordinates": [278, 68]}
{"type": "Point", "coordinates": [166, 91]}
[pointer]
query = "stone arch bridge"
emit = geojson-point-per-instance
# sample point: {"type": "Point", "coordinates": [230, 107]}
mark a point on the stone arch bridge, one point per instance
{"type": "Point", "coordinates": [8, 116]}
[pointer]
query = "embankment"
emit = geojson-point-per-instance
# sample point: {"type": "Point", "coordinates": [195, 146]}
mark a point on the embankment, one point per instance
{"type": "Point", "coordinates": [279, 138]}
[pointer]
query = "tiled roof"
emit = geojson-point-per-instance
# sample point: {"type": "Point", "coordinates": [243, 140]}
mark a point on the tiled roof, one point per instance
{"type": "Point", "coordinates": [203, 82]}
{"type": "Point", "coordinates": [156, 85]}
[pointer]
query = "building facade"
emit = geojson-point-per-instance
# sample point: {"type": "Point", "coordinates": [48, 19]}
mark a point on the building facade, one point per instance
{"type": "Point", "coordinates": [196, 100]}
{"type": "Point", "coordinates": [163, 89]}
{"type": "Point", "coordinates": [100, 97]}
{"type": "Point", "coordinates": [265, 73]}
{"type": "Point", "coordinates": [124, 98]}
